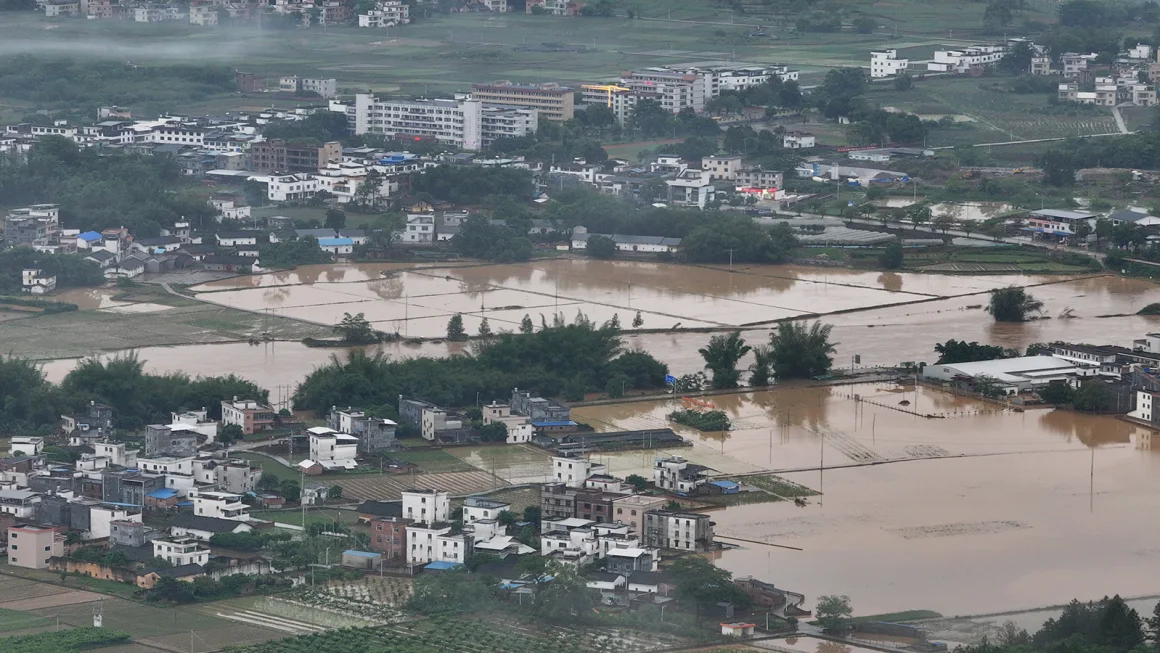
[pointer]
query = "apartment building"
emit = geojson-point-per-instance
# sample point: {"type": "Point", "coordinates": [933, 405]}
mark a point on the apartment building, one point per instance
{"type": "Point", "coordinates": [426, 507]}
{"type": "Point", "coordinates": [674, 90]}
{"type": "Point", "coordinates": [459, 122]}
{"type": "Point", "coordinates": [721, 166]}
{"type": "Point", "coordinates": [552, 101]}
{"type": "Point", "coordinates": [885, 63]}
{"type": "Point", "coordinates": [279, 156]}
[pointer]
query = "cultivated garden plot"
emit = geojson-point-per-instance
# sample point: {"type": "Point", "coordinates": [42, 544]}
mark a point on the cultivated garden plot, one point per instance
{"type": "Point", "coordinates": [451, 635]}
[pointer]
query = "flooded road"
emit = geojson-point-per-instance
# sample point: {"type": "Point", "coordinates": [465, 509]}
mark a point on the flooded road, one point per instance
{"type": "Point", "coordinates": [982, 511]}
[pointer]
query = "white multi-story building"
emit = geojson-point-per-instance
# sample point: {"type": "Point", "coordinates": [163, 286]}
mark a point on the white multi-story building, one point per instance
{"type": "Point", "coordinates": [674, 90]}
{"type": "Point", "coordinates": [479, 508]}
{"type": "Point", "coordinates": [426, 506]}
{"type": "Point", "coordinates": [676, 474]}
{"type": "Point", "coordinates": [387, 13]}
{"type": "Point", "coordinates": [181, 551]}
{"type": "Point", "coordinates": [572, 472]}
{"type": "Point", "coordinates": [519, 428]}
{"type": "Point", "coordinates": [798, 140]}
{"type": "Point", "coordinates": [965, 59]}
{"type": "Point", "coordinates": [462, 122]}
{"type": "Point", "coordinates": [426, 544]}
{"type": "Point", "coordinates": [885, 63]}
{"type": "Point", "coordinates": [331, 449]}
{"type": "Point", "coordinates": [284, 188]}
{"type": "Point", "coordinates": [420, 229]}
{"type": "Point", "coordinates": [37, 282]}
{"type": "Point", "coordinates": [20, 503]}
{"type": "Point", "coordinates": [326, 87]}
{"type": "Point", "coordinates": [691, 188]}
{"type": "Point", "coordinates": [223, 505]}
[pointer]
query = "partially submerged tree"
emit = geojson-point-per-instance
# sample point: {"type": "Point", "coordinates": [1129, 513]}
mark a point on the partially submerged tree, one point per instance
{"type": "Point", "coordinates": [455, 330]}
{"type": "Point", "coordinates": [1012, 304]}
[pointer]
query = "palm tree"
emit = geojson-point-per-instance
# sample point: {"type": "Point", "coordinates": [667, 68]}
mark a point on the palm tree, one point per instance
{"type": "Point", "coordinates": [721, 358]}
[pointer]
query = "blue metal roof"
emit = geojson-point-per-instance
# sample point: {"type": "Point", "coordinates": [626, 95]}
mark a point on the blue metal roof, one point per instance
{"type": "Point", "coordinates": [334, 242]}
{"type": "Point", "coordinates": [550, 423]}
{"type": "Point", "coordinates": [362, 554]}
{"type": "Point", "coordinates": [164, 493]}
{"type": "Point", "coordinates": [729, 484]}
{"type": "Point", "coordinates": [442, 565]}
{"type": "Point", "coordinates": [89, 236]}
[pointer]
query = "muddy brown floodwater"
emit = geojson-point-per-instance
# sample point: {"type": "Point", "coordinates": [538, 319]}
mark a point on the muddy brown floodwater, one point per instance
{"type": "Point", "coordinates": [981, 511]}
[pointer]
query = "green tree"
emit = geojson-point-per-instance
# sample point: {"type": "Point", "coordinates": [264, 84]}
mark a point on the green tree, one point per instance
{"type": "Point", "coordinates": [484, 328]}
{"type": "Point", "coordinates": [290, 490]}
{"type": "Point", "coordinates": [229, 434]}
{"type": "Point", "coordinates": [700, 582]}
{"type": "Point", "coordinates": [761, 371]}
{"type": "Point", "coordinates": [1092, 397]}
{"type": "Point", "coordinates": [833, 612]}
{"type": "Point", "coordinates": [721, 357]}
{"type": "Point", "coordinates": [800, 351]}
{"type": "Point", "coordinates": [1057, 393]}
{"type": "Point", "coordinates": [494, 432]}
{"type": "Point", "coordinates": [526, 325]}
{"type": "Point", "coordinates": [1012, 304]}
{"type": "Point", "coordinates": [638, 321]}
{"type": "Point", "coordinates": [956, 351]}
{"type": "Point", "coordinates": [638, 482]}
{"type": "Point", "coordinates": [334, 493]}
{"type": "Point", "coordinates": [335, 219]}
{"type": "Point", "coordinates": [918, 215]}
{"type": "Point", "coordinates": [532, 514]}
{"type": "Point", "coordinates": [891, 257]}
{"type": "Point", "coordinates": [903, 82]}
{"type": "Point", "coordinates": [601, 247]}
{"type": "Point", "coordinates": [455, 330]}
{"type": "Point", "coordinates": [355, 329]}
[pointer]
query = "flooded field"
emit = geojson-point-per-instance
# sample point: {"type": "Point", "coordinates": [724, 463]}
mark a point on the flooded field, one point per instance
{"type": "Point", "coordinates": [418, 302]}
{"type": "Point", "coordinates": [881, 336]}
{"type": "Point", "coordinates": [982, 511]}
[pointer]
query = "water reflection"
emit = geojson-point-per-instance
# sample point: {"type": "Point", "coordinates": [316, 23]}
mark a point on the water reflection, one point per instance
{"type": "Point", "coordinates": [1091, 430]}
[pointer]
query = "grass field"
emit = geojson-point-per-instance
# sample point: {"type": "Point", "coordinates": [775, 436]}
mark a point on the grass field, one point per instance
{"type": "Point", "coordinates": [13, 620]}
{"type": "Point", "coordinates": [270, 466]}
{"type": "Point", "coordinates": [994, 116]}
{"type": "Point", "coordinates": [319, 516]}
{"type": "Point", "coordinates": [446, 53]}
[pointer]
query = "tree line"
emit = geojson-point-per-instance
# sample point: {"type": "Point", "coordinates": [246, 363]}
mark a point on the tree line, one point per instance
{"type": "Point", "coordinates": [32, 403]}
{"type": "Point", "coordinates": [557, 359]}
{"type": "Point", "coordinates": [99, 190]}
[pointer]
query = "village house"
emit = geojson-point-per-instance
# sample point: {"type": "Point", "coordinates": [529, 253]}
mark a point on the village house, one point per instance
{"type": "Point", "coordinates": [32, 547]}
{"type": "Point", "coordinates": [251, 416]}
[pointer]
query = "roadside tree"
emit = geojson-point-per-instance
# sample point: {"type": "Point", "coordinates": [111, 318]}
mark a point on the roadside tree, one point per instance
{"type": "Point", "coordinates": [455, 330]}
{"type": "Point", "coordinates": [801, 352]}
{"type": "Point", "coordinates": [721, 357]}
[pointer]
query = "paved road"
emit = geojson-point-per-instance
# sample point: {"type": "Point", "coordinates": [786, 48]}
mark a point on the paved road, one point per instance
{"type": "Point", "coordinates": [1119, 120]}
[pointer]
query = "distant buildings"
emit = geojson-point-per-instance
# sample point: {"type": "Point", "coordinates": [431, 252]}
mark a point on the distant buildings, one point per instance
{"type": "Point", "coordinates": [248, 414]}
{"type": "Point", "coordinates": [552, 101]}
{"type": "Point", "coordinates": [326, 87]}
